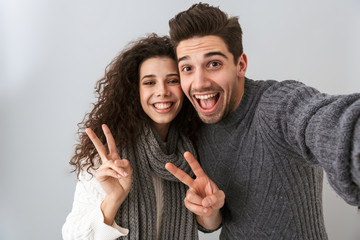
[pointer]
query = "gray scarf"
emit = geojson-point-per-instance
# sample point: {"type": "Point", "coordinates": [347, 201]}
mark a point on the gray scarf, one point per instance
{"type": "Point", "coordinates": [138, 211]}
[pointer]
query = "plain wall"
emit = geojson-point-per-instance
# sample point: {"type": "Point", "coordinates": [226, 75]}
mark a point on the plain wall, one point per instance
{"type": "Point", "coordinates": [53, 52]}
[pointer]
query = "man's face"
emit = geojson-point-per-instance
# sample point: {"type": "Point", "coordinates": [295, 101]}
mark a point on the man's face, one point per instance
{"type": "Point", "coordinates": [209, 77]}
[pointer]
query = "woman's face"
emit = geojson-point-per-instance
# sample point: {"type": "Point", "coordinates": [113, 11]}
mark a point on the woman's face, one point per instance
{"type": "Point", "coordinates": [161, 96]}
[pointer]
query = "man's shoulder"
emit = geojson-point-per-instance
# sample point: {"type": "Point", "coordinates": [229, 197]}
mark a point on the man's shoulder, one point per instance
{"type": "Point", "coordinates": [272, 84]}
{"type": "Point", "coordinates": [274, 88]}
{"type": "Point", "coordinates": [271, 88]}
{"type": "Point", "coordinates": [273, 94]}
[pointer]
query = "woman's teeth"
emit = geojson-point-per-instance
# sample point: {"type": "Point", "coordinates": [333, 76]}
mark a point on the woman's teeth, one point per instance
{"type": "Point", "coordinates": [162, 105]}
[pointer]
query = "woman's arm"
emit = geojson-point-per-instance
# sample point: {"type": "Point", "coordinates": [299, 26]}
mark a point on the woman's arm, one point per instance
{"type": "Point", "coordinates": [97, 200]}
{"type": "Point", "coordinates": [86, 220]}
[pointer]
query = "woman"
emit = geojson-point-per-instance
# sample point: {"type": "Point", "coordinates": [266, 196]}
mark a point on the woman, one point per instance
{"type": "Point", "coordinates": [123, 187]}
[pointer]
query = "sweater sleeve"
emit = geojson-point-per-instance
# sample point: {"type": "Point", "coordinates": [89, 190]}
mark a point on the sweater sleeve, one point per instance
{"type": "Point", "coordinates": [86, 220]}
{"type": "Point", "coordinates": [323, 129]}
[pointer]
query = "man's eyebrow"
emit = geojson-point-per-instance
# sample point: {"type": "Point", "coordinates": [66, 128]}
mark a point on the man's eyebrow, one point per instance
{"type": "Point", "coordinates": [183, 58]}
{"type": "Point", "coordinates": [210, 54]}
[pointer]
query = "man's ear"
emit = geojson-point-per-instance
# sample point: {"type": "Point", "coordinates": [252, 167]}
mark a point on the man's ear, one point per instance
{"type": "Point", "coordinates": [242, 65]}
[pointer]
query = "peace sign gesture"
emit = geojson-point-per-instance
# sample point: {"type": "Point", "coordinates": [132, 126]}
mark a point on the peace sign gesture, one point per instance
{"type": "Point", "coordinates": [114, 174]}
{"type": "Point", "coordinates": [203, 198]}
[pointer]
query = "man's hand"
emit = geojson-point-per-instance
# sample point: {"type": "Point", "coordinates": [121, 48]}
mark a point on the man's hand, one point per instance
{"type": "Point", "coordinates": [203, 198]}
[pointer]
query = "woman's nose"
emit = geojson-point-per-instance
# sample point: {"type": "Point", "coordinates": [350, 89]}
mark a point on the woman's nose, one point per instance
{"type": "Point", "coordinates": [162, 90]}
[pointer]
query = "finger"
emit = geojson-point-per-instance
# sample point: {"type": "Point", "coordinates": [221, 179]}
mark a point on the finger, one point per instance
{"type": "Point", "coordinates": [109, 139]}
{"type": "Point", "coordinates": [100, 148]}
{"type": "Point", "coordinates": [194, 164]}
{"type": "Point", "coordinates": [179, 174]}
{"type": "Point", "coordinates": [193, 198]}
{"type": "Point", "coordinates": [197, 209]}
{"type": "Point", "coordinates": [115, 167]}
{"type": "Point", "coordinates": [124, 164]}
{"type": "Point", "coordinates": [105, 173]}
{"type": "Point", "coordinates": [215, 201]}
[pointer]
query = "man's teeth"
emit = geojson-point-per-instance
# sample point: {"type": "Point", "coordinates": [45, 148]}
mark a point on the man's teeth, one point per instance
{"type": "Point", "coordinates": [162, 105]}
{"type": "Point", "coordinates": [207, 96]}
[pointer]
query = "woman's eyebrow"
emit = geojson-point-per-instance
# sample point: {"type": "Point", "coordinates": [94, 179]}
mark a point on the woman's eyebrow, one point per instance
{"type": "Point", "coordinates": [172, 74]}
{"type": "Point", "coordinates": [153, 75]}
{"type": "Point", "coordinates": [148, 76]}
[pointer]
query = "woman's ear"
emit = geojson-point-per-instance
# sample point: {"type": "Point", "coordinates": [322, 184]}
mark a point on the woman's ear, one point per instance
{"type": "Point", "coordinates": [242, 65]}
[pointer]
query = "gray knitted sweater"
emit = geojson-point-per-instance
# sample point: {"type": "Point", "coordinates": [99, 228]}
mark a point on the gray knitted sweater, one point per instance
{"type": "Point", "coordinates": [268, 156]}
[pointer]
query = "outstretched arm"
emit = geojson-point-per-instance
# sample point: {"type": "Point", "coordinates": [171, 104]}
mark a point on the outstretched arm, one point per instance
{"type": "Point", "coordinates": [203, 198]}
{"type": "Point", "coordinates": [324, 130]}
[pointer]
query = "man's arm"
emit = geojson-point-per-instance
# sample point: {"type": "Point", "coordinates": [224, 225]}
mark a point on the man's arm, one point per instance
{"type": "Point", "coordinates": [323, 129]}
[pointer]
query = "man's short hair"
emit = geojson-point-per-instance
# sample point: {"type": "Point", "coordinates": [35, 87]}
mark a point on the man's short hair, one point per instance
{"type": "Point", "coordinates": [200, 20]}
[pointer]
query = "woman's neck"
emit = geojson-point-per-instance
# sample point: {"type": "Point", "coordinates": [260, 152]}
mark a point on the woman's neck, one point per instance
{"type": "Point", "coordinates": [162, 130]}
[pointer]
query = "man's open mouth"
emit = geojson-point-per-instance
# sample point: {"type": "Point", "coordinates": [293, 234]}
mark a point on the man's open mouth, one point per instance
{"type": "Point", "coordinates": [207, 101]}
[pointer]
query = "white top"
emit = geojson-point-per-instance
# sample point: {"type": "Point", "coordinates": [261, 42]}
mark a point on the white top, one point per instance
{"type": "Point", "coordinates": [159, 201]}
{"type": "Point", "coordinates": [86, 221]}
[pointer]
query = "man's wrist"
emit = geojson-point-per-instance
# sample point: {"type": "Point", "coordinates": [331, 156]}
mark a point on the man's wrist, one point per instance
{"type": "Point", "coordinates": [211, 222]}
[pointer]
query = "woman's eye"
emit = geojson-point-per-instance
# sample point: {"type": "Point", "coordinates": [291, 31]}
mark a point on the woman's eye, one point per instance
{"type": "Point", "coordinates": [174, 81]}
{"type": "Point", "coordinates": [148, 83]}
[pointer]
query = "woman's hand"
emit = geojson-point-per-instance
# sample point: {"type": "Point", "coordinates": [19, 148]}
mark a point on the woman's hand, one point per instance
{"type": "Point", "coordinates": [114, 174]}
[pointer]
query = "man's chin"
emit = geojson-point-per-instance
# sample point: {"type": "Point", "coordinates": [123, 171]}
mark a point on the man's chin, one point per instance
{"type": "Point", "coordinates": [209, 118]}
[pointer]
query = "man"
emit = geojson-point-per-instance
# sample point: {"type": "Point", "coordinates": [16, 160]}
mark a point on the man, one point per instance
{"type": "Point", "coordinates": [264, 144]}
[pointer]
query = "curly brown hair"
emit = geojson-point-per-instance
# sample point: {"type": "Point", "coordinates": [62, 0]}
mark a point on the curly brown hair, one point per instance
{"type": "Point", "coordinates": [118, 102]}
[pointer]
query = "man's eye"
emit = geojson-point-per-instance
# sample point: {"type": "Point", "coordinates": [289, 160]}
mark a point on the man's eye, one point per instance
{"type": "Point", "coordinates": [186, 69]}
{"type": "Point", "coordinates": [214, 64]}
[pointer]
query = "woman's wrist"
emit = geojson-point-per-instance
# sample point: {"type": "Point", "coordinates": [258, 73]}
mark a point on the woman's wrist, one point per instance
{"type": "Point", "coordinates": [109, 208]}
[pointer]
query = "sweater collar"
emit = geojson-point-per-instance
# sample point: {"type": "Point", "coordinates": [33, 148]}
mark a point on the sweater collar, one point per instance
{"type": "Point", "coordinates": [241, 110]}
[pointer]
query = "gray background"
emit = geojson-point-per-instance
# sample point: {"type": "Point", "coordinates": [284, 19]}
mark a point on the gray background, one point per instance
{"type": "Point", "coordinates": [53, 52]}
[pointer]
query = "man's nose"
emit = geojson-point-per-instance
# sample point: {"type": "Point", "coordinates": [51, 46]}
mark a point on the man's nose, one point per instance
{"type": "Point", "coordinates": [201, 80]}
